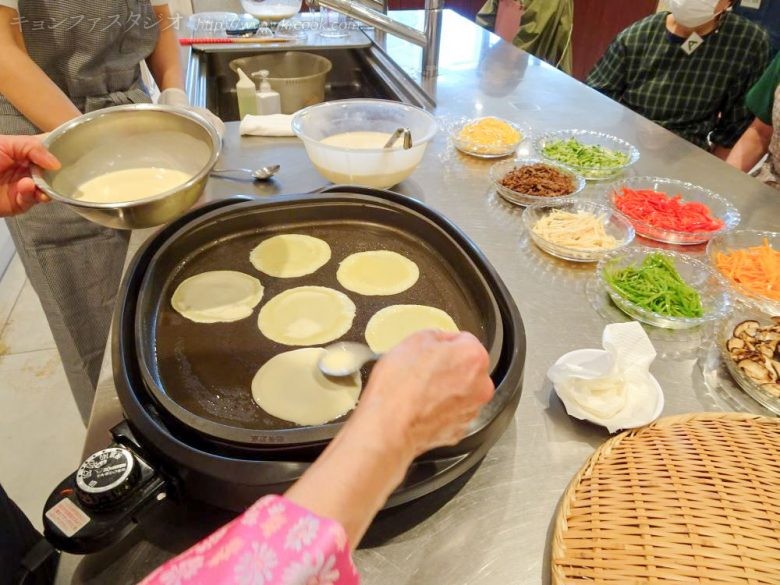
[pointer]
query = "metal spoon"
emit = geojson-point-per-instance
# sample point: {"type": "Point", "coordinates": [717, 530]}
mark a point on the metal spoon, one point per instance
{"type": "Point", "coordinates": [345, 358]}
{"type": "Point", "coordinates": [261, 174]}
{"type": "Point", "coordinates": [406, 133]}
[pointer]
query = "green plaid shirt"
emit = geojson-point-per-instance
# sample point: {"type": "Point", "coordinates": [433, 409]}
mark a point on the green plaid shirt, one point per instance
{"type": "Point", "coordinates": [696, 95]}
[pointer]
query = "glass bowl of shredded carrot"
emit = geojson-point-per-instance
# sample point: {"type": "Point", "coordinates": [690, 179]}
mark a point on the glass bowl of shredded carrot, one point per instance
{"type": "Point", "coordinates": [748, 261]}
{"type": "Point", "coordinates": [579, 231]}
{"type": "Point", "coordinates": [671, 211]}
{"type": "Point", "coordinates": [488, 137]}
{"type": "Point", "coordinates": [663, 288]}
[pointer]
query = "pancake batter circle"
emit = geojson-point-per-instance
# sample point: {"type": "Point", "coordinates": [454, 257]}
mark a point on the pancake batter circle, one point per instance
{"type": "Point", "coordinates": [290, 255]}
{"type": "Point", "coordinates": [306, 315]}
{"type": "Point", "coordinates": [391, 325]}
{"type": "Point", "coordinates": [377, 273]}
{"type": "Point", "coordinates": [291, 387]}
{"type": "Point", "coordinates": [219, 296]}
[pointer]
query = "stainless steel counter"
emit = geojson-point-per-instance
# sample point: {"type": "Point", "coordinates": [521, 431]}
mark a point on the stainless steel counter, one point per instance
{"type": "Point", "coordinates": [492, 528]}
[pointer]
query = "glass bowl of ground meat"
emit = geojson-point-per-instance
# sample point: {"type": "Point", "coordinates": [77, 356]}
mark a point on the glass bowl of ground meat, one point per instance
{"type": "Point", "coordinates": [527, 181]}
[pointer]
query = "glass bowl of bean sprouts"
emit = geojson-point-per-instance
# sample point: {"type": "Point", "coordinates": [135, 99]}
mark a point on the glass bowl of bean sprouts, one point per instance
{"type": "Point", "coordinates": [578, 231]}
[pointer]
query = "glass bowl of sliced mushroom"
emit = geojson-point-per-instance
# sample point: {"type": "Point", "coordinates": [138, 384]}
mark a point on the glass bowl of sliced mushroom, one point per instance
{"type": "Point", "coordinates": [749, 342]}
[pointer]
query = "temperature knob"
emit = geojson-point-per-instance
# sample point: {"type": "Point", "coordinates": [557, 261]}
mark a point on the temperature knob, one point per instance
{"type": "Point", "coordinates": [107, 477]}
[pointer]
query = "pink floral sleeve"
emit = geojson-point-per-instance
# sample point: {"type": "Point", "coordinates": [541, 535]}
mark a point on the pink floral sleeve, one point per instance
{"type": "Point", "coordinates": [275, 542]}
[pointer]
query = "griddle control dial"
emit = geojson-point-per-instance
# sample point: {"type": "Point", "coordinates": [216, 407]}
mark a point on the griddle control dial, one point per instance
{"type": "Point", "coordinates": [106, 477]}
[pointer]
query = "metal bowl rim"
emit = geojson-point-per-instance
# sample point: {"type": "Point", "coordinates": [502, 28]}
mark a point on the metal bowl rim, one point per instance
{"type": "Point", "coordinates": [216, 142]}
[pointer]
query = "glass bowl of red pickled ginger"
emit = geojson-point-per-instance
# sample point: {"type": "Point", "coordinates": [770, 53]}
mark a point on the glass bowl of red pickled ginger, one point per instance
{"type": "Point", "coordinates": [671, 211]}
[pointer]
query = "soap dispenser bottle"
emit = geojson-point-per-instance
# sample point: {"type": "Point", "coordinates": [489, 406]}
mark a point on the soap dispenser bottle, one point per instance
{"type": "Point", "coordinates": [245, 92]}
{"type": "Point", "coordinates": [268, 101]}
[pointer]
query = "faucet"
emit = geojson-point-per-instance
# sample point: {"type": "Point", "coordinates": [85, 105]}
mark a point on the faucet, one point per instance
{"type": "Point", "coordinates": [429, 39]}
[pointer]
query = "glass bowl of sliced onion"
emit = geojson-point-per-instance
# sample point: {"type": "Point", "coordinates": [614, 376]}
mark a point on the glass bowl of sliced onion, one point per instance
{"type": "Point", "coordinates": [579, 231]}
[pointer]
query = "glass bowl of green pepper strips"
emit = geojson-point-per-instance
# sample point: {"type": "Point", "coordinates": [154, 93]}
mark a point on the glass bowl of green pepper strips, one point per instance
{"type": "Point", "coordinates": [594, 155]}
{"type": "Point", "coordinates": [663, 288]}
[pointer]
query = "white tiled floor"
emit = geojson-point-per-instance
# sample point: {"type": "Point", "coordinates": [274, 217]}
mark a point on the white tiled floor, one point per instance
{"type": "Point", "coordinates": [41, 433]}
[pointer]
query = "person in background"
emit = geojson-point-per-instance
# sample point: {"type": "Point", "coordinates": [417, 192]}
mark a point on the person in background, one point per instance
{"type": "Point", "coordinates": [762, 136]}
{"type": "Point", "coordinates": [687, 70]}
{"type": "Point", "coordinates": [545, 29]}
{"type": "Point", "coordinates": [57, 61]}
{"type": "Point", "coordinates": [765, 13]}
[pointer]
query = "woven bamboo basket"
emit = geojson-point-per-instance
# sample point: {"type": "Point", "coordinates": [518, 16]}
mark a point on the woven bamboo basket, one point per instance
{"type": "Point", "coordinates": [688, 499]}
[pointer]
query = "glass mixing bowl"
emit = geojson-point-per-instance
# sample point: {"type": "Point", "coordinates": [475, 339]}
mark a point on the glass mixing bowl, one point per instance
{"type": "Point", "coordinates": [379, 168]}
{"type": "Point", "coordinates": [271, 11]}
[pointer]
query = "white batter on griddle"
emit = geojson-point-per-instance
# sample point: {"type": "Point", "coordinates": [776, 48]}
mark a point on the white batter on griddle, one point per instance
{"type": "Point", "coordinates": [377, 273]}
{"type": "Point", "coordinates": [290, 386]}
{"type": "Point", "coordinates": [219, 296]}
{"type": "Point", "coordinates": [391, 325]}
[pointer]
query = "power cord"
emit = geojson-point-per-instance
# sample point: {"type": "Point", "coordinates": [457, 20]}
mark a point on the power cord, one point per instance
{"type": "Point", "coordinates": [41, 552]}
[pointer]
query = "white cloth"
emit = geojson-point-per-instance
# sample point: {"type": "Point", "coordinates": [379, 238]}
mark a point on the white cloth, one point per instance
{"type": "Point", "coordinates": [611, 387]}
{"type": "Point", "coordinates": [177, 98]}
{"type": "Point", "coordinates": [270, 125]}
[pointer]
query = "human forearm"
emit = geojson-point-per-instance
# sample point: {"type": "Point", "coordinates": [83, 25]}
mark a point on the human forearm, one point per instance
{"type": "Point", "coordinates": [722, 152]}
{"type": "Point", "coordinates": [25, 84]}
{"type": "Point", "coordinates": [355, 475]}
{"type": "Point", "coordinates": [164, 62]}
{"type": "Point", "coordinates": [751, 146]}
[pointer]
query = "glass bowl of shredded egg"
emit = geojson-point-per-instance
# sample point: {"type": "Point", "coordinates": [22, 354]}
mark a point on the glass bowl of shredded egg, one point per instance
{"type": "Point", "coordinates": [487, 137]}
{"type": "Point", "coordinates": [579, 231]}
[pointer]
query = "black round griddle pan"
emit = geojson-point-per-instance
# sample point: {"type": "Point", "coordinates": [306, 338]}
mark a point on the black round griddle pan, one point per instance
{"type": "Point", "coordinates": [201, 374]}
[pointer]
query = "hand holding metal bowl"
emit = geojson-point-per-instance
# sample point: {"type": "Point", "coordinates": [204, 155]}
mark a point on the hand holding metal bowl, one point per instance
{"type": "Point", "coordinates": [131, 137]}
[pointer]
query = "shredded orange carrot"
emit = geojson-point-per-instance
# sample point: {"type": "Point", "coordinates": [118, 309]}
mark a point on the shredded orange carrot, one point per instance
{"type": "Point", "coordinates": [755, 269]}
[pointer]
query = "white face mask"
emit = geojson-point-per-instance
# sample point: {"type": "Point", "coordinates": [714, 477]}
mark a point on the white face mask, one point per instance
{"type": "Point", "coordinates": [692, 13]}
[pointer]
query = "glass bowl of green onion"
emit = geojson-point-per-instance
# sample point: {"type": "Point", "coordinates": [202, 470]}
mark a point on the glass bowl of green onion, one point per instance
{"type": "Point", "coordinates": [596, 156]}
{"type": "Point", "coordinates": [663, 288]}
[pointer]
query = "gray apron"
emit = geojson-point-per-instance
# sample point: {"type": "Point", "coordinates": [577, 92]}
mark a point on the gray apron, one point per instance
{"type": "Point", "coordinates": [770, 171]}
{"type": "Point", "coordinates": [92, 51]}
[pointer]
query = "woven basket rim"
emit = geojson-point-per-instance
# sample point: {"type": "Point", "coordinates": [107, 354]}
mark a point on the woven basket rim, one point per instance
{"type": "Point", "coordinates": [558, 549]}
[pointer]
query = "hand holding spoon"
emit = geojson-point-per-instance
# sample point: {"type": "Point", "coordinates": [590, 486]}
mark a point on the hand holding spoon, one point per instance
{"type": "Point", "coordinates": [345, 358]}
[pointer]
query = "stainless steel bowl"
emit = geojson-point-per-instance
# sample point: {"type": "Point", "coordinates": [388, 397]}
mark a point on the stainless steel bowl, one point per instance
{"type": "Point", "coordinates": [128, 137]}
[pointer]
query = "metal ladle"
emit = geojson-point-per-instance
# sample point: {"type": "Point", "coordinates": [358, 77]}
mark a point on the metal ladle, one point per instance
{"type": "Point", "coordinates": [345, 358]}
{"type": "Point", "coordinates": [406, 133]}
{"type": "Point", "coordinates": [261, 174]}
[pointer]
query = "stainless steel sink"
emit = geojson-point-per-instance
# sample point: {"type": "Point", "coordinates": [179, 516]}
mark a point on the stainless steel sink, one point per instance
{"type": "Point", "coordinates": [357, 73]}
